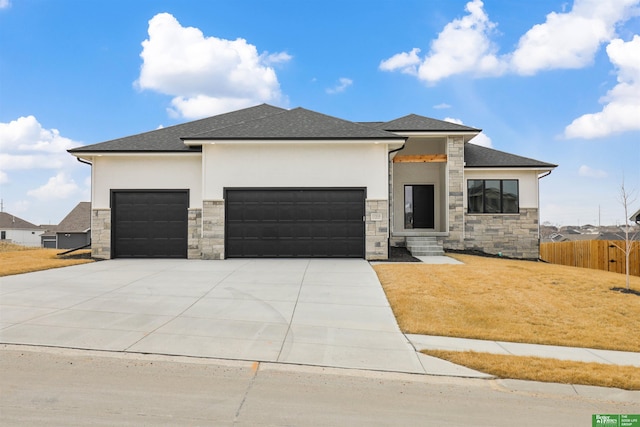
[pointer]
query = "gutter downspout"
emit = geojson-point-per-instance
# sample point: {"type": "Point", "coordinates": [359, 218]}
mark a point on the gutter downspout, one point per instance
{"type": "Point", "coordinates": [539, 238]}
{"type": "Point", "coordinates": [86, 162]}
{"type": "Point", "coordinates": [391, 216]}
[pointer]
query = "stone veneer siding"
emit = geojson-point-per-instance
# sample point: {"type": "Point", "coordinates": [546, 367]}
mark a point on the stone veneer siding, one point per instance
{"type": "Point", "coordinates": [194, 233]}
{"type": "Point", "coordinates": [455, 180]}
{"type": "Point", "coordinates": [512, 235]}
{"type": "Point", "coordinates": [212, 241]}
{"type": "Point", "coordinates": [376, 231]}
{"type": "Point", "coordinates": [101, 233]}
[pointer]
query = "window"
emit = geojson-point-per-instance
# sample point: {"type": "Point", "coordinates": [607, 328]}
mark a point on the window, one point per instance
{"type": "Point", "coordinates": [493, 196]}
{"type": "Point", "coordinates": [3, 235]}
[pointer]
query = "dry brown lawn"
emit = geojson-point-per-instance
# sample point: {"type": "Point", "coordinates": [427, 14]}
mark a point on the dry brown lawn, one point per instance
{"type": "Point", "coordinates": [16, 259]}
{"type": "Point", "coordinates": [545, 370]}
{"type": "Point", "coordinates": [510, 300]}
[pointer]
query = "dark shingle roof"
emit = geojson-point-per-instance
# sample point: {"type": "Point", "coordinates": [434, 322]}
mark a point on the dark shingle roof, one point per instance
{"type": "Point", "coordinates": [76, 221]}
{"type": "Point", "coordinates": [414, 122]}
{"type": "Point", "coordinates": [169, 139]}
{"type": "Point", "coordinates": [298, 123]}
{"type": "Point", "coordinates": [12, 222]}
{"type": "Point", "coordinates": [476, 156]}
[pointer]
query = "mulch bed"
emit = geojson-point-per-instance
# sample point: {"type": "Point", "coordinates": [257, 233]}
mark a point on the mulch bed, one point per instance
{"type": "Point", "coordinates": [397, 254]}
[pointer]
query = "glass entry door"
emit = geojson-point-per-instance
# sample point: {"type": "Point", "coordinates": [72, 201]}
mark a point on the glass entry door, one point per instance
{"type": "Point", "coordinates": [419, 206]}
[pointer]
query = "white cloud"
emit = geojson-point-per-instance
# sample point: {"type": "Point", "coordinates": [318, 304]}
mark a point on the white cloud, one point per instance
{"type": "Point", "coordinates": [570, 40]}
{"type": "Point", "coordinates": [25, 144]}
{"type": "Point", "coordinates": [406, 62]}
{"type": "Point", "coordinates": [60, 186]}
{"type": "Point", "coordinates": [5, 4]}
{"type": "Point", "coordinates": [585, 170]}
{"type": "Point", "coordinates": [206, 75]}
{"type": "Point", "coordinates": [463, 46]}
{"type": "Point", "coordinates": [621, 111]}
{"type": "Point", "coordinates": [4, 178]}
{"type": "Point", "coordinates": [341, 86]}
{"type": "Point", "coordinates": [452, 120]}
{"type": "Point", "coordinates": [26, 134]}
{"type": "Point", "coordinates": [564, 40]}
{"type": "Point", "coordinates": [442, 106]}
{"type": "Point", "coordinates": [480, 139]}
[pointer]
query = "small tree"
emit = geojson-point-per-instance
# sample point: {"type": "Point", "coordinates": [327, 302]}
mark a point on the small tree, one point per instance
{"type": "Point", "coordinates": [627, 198]}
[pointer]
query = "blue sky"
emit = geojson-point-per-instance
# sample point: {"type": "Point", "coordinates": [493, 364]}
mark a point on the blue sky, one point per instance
{"type": "Point", "coordinates": [558, 81]}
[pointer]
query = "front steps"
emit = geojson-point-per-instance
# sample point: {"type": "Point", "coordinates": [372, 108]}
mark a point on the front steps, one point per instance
{"type": "Point", "coordinates": [424, 246]}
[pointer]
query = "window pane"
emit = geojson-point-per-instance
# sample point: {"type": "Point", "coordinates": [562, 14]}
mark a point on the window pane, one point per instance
{"type": "Point", "coordinates": [474, 195]}
{"type": "Point", "coordinates": [408, 206]}
{"type": "Point", "coordinates": [492, 196]}
{"type": "Point", "coordinates": [510, 202]}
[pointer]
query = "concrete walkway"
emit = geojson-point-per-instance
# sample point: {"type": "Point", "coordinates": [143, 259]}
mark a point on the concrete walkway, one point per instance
{"type": "Point", "coordinates": [428, 342]}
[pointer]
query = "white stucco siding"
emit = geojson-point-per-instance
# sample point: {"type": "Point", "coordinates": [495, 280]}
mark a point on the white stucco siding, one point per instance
{"type": "Point", "coordinates": [305, 164]}
{"type": "Point", "coordinates": [527, 183]}
{"type": "Point", "coordinates": [146, 172]}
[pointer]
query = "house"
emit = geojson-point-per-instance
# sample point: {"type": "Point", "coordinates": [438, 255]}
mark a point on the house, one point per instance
{"type": "Point", "coordinates": [74, 230]}
{"type": "Point", "coordinates": [270, 182]}
{"type": "Point", "coordinates": [636, 217]}
{"type": "Point", "coordinates": [18, 231]}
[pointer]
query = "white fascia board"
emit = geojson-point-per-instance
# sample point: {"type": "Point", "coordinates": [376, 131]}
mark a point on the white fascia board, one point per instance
{"type": "Point", "coordinates": [197, 142]}
{"type": "Point", "coordinates": [515, 169]}
{"type": "Point", "coordinates": [90, 155]}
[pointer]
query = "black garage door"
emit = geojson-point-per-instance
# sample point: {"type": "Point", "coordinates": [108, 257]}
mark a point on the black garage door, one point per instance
{"type": "Point", "coordinates": [149, 224]}
{"type": "Point", "coordinates": [295, 223]}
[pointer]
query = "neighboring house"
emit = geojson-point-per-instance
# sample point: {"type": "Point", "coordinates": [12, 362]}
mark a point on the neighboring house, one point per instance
{"type": "Point", "coordinates": [636, 217]}
{"type": "Point", "coordinates": [18, 231]}
{"type": "Point", "coordinates": [270, 182]}
{"type": "Point", "coordinates": [73, 232]}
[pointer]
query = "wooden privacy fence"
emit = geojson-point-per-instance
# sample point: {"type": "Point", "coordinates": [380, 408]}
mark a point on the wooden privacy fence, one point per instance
{"type": "Point", "coordinates": [596, 254]}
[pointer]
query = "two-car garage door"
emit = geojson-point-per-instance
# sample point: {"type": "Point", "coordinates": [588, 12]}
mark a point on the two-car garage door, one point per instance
{"type": "Point", "coordinates": [259, 223]}
{"type": "Point", "coordinates": [294, 223]}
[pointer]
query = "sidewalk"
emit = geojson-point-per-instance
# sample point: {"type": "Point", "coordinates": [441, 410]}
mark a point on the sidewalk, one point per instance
{"type": "Point", "coordinates": [428, 342]}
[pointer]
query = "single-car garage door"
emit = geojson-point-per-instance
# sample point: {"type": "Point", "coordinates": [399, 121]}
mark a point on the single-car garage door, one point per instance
{"type": "Point", "coordinates": [294, 223]}
{"type": "Point", "coordinates": [149, 224]}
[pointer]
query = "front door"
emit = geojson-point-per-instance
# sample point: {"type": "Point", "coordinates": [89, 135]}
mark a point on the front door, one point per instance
{"type": "Point", "coordinates": [419, 206]}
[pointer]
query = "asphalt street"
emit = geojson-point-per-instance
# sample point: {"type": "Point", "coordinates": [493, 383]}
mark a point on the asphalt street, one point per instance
{"type": "Point", "coordinates": [63, 387]}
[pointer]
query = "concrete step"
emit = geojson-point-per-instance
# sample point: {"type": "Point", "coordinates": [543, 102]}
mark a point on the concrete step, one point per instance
{"type": "Point", "coordinates": [427, 253]}
{"type": "Point", "coordinates": [424, 246]}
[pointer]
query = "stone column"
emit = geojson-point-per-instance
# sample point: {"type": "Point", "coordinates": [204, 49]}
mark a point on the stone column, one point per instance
{"type": "Point", "coordinates": [212, 242]}
{"type": "Point", "coordinates": [376, 229]}
{"type": "Point", "coordinates": [194, 233]}
{"type": "Point", "coordinates": [455, 178]}
{"type": "Point", "coordinates": [101, 233]}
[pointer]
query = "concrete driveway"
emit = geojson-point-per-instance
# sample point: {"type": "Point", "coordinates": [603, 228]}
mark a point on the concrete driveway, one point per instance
{"type": "Point", "coordinates": [312, 312]}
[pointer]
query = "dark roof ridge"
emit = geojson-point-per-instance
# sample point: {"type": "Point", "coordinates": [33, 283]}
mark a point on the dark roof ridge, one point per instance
{"type": "Point", "coordinates": [167, 139]}
{"type": "Point", "coordinates": [195, 135]}
{"type": "Point", "coordinates": [297, 123]}
{"type": "Point", "coordinates": [480, 156]}
{"type": "Point", "coordinates": [415, 122]}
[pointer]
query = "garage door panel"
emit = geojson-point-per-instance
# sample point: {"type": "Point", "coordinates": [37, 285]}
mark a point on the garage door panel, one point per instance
{"type": "Point", "coordinates": [295, 223]}
{"type": "Point", "coordinates": [149, 224]}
